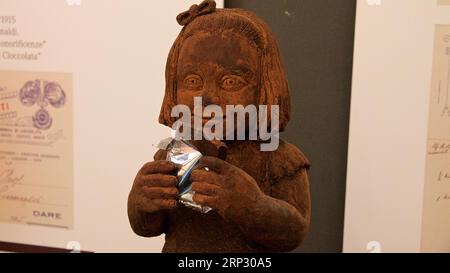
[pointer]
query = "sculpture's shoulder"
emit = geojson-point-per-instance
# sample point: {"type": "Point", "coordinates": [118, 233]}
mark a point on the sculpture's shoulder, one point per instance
{"type": "Point", "coordinates": [287, 160]}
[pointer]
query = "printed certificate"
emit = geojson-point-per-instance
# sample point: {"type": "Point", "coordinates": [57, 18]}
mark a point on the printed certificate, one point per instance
{"type": "Point", "coordinates": [436, 206]}
{"type": "Point", "coordinates": [36, 148]}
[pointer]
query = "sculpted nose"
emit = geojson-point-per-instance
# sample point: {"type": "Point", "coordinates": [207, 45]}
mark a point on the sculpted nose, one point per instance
{"type": "Point", "coordinates": [211, 95]}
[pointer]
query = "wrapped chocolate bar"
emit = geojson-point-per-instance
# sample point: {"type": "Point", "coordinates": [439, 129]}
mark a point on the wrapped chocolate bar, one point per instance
{"type": "Point", "coordinates": [183, 153]}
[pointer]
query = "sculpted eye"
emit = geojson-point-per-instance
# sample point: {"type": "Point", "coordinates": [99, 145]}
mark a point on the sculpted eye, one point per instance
{"type": "Point", "coordinates": [193, 82]}
{"type": "Point", "coordinates": [233, 83]}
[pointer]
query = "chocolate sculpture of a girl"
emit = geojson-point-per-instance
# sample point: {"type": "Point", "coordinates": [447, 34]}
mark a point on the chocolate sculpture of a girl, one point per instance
{"type": "Point", "coordinates": [260, 200]}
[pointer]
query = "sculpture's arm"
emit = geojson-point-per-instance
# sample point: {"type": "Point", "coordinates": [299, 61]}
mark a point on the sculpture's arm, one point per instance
{"type": "Point", "coordinates": [144, 223]}
{"type": "Point", "coordinates": [278, 222]}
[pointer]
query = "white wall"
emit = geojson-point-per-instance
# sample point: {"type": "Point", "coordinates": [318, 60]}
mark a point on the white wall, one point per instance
{"type": "Point", "coordinates": [389, 123]}
{"type": "Point", "coordinates": [116, 51]}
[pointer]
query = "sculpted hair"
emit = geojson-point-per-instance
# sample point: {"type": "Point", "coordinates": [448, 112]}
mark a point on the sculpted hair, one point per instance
{"type": "Point", "coordinates": [272, 83]}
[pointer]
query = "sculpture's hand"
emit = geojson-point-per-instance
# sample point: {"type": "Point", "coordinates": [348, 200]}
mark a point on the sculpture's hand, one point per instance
{"type": "Point", "coordinates": [279, 224]}
{"type": "Point", "coordinates": [154, 188]}
{"type": "Point", "coordinates": [226, 188]}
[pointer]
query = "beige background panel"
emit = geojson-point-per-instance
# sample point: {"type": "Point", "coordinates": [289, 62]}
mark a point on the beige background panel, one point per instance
{"type": "Point", "coordinates": [389, 124]}
{"type": "Point", "coordinates": [116, 51]}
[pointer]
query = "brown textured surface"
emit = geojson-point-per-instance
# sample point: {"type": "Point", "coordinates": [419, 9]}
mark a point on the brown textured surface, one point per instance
{"type": "Point", "coordinates": [260, 200]}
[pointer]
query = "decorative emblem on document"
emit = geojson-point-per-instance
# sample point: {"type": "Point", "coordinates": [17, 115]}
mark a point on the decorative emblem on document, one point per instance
{"type": "Point", "coordinates": [51, 94]}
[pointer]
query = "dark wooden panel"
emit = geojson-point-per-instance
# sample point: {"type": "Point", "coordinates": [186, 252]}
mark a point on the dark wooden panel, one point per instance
{"type": "Point", "coordinates": [24, 248]}
{"type": "Point", "coordinates": [316, 39]}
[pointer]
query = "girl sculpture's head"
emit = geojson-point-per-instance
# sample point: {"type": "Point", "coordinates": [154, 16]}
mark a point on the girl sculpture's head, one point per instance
{"type": "Point", "coordinates": [228, 57]}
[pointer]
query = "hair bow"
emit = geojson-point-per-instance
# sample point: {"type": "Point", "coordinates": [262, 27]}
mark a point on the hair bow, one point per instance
{"type": "Point", "coordinates": [203, 8]}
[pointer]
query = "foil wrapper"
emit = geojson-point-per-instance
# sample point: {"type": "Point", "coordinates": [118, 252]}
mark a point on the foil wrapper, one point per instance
{"type": "Point", "coordinates": [183, 153]}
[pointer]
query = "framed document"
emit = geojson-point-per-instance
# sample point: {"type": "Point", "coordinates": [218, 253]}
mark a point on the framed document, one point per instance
{"type": "Point", "coordinates": [435, 222]}
{"type": "Point", "coordinates": [36, 148]}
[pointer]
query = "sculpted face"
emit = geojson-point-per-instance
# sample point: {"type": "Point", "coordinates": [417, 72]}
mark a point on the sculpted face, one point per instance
{"type": "Point", "coordinates": [221, 68]}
